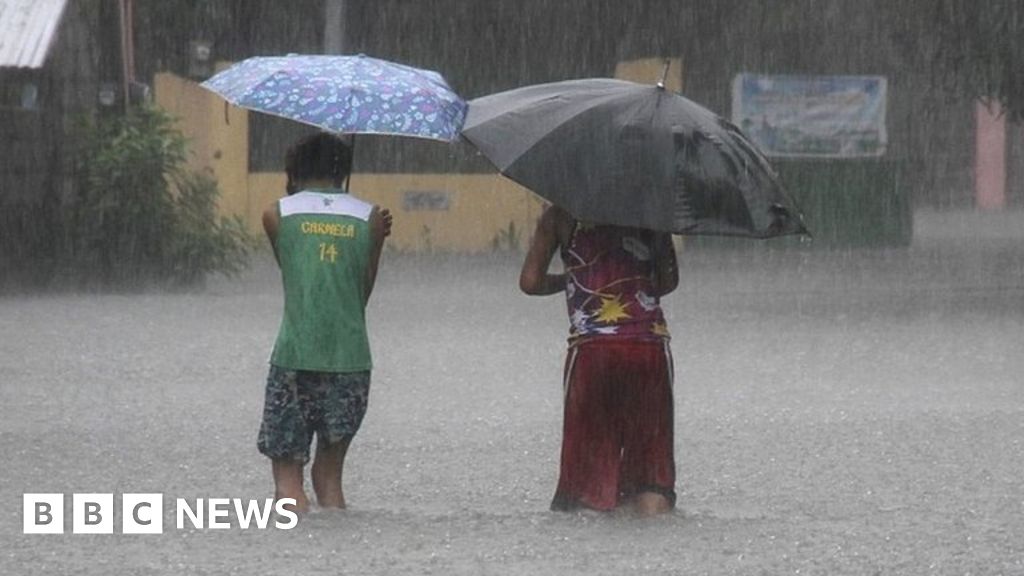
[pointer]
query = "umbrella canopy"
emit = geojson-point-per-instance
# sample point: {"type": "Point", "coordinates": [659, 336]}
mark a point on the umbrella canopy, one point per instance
{"type": "Point", "coordinates": [619, 152]}
{"type": "Point", "coordinates": [345, 94]}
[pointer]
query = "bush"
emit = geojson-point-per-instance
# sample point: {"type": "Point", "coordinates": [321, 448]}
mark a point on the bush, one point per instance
{"type": "Point", "coordinates": [138, 217]}
{"type": "Point", "coordinates": [201, 243]}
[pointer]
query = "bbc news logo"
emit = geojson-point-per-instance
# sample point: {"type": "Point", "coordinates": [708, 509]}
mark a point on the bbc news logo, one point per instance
{"type": "Point", "coordinates": [143, 513]}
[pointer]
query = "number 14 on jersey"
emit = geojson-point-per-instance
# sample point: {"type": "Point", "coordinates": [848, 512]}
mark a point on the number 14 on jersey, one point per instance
{"type": "Point", "coordinates": [328, 252]}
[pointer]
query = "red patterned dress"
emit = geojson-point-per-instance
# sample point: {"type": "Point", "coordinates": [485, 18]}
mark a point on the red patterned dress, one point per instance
{"type": "Point", "coordinates": [618, 430]}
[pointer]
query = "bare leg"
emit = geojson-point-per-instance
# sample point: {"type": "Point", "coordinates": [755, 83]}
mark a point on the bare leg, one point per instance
{"type": "Point", "coordinates": [651, 504]}
{"type": "Point", "coordinates": [288, 483]}
{"type": "Point", "coordinates": [326, 473]}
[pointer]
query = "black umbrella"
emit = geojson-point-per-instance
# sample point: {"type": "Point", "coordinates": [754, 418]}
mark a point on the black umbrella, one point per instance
{"type": "Point", "coordinates": [619, 152]}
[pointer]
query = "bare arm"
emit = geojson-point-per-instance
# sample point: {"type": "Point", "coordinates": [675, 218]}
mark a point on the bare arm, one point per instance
{"type": "Point", "coordinates": [534, 278]}
{"type": "Point", "coordinates": [270, 223]}
{"type": "Point", "coordinates": [666, 269]}
{"type": "Point", "coordinates": [380, 228]}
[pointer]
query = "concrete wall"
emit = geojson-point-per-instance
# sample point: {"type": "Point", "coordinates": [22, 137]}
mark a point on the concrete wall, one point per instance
{"type": "Point", "coordinates": [650, 70]}
{"type": "Point", "coordinates": [465, 213]}
{"type": "Point", "coordinates": [218, 138]}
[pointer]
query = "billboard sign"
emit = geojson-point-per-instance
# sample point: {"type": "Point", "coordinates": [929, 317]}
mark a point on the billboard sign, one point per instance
{"type": "Point", "coordinates": [812, 116]}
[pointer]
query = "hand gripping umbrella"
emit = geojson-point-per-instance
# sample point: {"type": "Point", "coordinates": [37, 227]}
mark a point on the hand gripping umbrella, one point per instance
{"type": "Point", "coordinates": [619, 152]}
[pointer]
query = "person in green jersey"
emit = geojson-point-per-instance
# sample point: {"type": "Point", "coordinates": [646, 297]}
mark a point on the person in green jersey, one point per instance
{"type": "Point", "coordinates": [327, 244]}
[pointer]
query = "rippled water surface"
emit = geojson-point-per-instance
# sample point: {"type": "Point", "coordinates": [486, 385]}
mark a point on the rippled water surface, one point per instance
{"type": "Point", "coordinates": [857, 412]}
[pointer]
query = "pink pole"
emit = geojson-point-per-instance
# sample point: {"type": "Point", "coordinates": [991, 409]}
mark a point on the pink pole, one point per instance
{"type": "Point", "coordinates": [990, 157]}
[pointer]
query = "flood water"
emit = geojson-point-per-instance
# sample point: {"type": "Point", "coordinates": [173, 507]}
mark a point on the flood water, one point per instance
{"type": "Point", "coordinates": [854, 412]}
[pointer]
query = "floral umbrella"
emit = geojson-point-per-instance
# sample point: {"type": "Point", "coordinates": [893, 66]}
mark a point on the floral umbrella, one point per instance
{"type": "Point", "coordinates": [345, 94]}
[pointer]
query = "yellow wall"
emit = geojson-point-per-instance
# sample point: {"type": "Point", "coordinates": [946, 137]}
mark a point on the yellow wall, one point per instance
{"type": "Point", "coordinates": [649, 71]}
{"type": "Point", "coordinates": [478, 212]}
{"type": "Point", "coordinates": [218, 136]}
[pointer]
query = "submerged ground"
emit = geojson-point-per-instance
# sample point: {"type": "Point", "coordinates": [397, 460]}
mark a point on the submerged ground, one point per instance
{"type": "Point", "coordinates": [855, 412]}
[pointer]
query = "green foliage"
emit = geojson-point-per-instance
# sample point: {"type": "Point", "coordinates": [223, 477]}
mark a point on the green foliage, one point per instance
{"type": "Point", "coordinates": [428, 241]}
{"type": "Point", "coordinates": [507, 239]}
{"type": "Point", "coordinates": [203, 243]}
{"type": "Point", "coordinates": [138, 217]}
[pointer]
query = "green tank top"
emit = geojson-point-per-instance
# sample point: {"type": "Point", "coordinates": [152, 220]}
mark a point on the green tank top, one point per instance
{"type": "Point", "coordinates": [323, 247]}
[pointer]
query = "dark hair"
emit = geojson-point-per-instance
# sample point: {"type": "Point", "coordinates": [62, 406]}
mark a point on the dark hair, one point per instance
{"type": "Point", "coordinates": [318, 156]}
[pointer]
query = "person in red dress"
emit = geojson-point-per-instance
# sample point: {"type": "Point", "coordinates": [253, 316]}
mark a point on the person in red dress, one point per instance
{"type": "Point", "coordinates": [617, 438]}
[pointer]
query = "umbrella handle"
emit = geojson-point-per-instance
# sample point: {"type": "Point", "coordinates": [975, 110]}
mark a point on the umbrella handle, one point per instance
{"type": "Point", "coordinates": [664, 73]}
{"type": "Point", "coordinates": [227, 121]}
{"type": "Point", "coordinates": [352, 164]}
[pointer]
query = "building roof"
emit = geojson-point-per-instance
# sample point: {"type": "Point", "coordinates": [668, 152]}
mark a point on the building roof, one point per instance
{"type": "Point", "coordinates": [27, 29]}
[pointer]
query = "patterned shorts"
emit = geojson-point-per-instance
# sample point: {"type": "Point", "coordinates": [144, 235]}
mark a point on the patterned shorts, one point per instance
{"type": "Point", "coordinates": [299, 404]}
